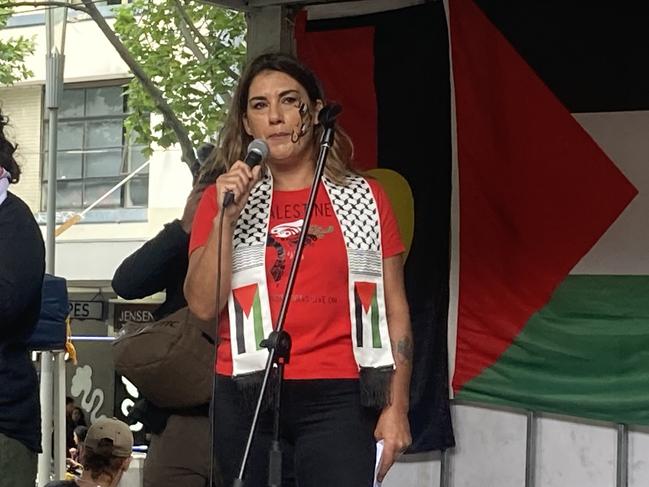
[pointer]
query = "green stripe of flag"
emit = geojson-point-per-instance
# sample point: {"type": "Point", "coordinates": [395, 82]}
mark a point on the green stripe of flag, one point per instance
{"type": "Point", "coordinates": [259, 326]}
{"type": "Point", "coordinates": [585, 353]}
{"type": "Point", "coordinates": [376, 333]}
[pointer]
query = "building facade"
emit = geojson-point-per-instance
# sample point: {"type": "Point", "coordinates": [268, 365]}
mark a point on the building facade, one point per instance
{"type": "Point", "coordinates": [94, 154]}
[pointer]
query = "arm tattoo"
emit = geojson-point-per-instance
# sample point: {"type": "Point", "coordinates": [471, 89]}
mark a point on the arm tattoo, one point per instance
{"type": "Point", "coordinates": [404, 350]}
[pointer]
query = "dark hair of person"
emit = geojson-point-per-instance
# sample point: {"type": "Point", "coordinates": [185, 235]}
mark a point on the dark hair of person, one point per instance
{"type": "Point", "coordinates": [233, 138]}
{"type": "Point", "coordinates": [82, 416]}
{"type": "Point", "coordinates": [101, 461]}
{"type": "Point", "coordinates": [81, 431]}
{"type": "Point", "coordinates": [68, 400]}
{"type": "Point", "coordinates": [7, 150]}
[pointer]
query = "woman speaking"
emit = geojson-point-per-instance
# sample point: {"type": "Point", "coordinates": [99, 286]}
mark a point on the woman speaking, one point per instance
{"type": "Point", "coordinates": [346, 384]}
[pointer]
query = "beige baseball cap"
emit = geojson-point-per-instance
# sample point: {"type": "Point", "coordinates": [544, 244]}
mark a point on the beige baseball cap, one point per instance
{"type": "Point", "coordinates": [111, 429]}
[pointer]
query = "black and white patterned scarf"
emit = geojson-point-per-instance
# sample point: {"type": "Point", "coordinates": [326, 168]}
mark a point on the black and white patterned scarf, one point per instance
{"type": "Point", "coordinates": [249, 305]}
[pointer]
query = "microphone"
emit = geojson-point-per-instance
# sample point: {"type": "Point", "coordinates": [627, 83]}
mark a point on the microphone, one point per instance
{"type": "Point", "coordinates": [328, 114]}
{"type": "Point", "coordinates": [257, 152]}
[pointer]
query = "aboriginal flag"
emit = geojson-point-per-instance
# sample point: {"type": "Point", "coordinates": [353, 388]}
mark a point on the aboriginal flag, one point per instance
{"type": "Point", "coordinates": [390, 73]}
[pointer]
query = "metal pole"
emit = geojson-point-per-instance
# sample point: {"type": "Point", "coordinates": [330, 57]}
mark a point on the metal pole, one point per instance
{"type": "Point", "coordinates": [44, 459]}
{"type": "Point", "coordinates": [52, 95]}
{"type": "Point", "coordinates": [445, 466]}
{"type": "Point", "coordinates": [60, 443]}
{"type": "Point", "coordinates": [53, 81]}
{"type": "Point", "coordinates": [622, 455]}
{"type": "Point", "coordinates": [530, 450]}
{"type": "Point", "coordinates": [78, 216]}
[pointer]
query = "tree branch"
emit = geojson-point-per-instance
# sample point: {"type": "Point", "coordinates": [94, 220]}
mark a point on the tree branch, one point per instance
{"type": "Point", "coordinates": [170, 118]}
{"type": "Point", "coordinates": [188, 22]}
{"type": "Point", "coordinates": [187, 28]}
{"type": "Point", "coordinates": [231, 72]}
{"type": "Point", "coordinates": [232, 4]}
{"type": "Point", "coordinates": [206, 43]}
{"type": "Point", "coordinates": [189, 40]}
{"type": "Point", "coordinates": [51, 3]}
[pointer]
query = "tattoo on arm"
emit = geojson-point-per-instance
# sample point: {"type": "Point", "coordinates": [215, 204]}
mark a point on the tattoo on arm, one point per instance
{"type": "Point", "coordinates": [404, 351]}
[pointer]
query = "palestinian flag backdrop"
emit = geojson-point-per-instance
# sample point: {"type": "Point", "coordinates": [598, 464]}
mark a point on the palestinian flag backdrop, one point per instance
{"type": "Point", "coordinates": [550, 306]}
{"type": "Point", "coordinates": [390, 73]}
{"type": "Point", "coordinates": [546, 229]}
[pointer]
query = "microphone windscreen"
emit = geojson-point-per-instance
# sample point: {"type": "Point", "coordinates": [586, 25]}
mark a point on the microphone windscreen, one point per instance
{"type": "Point", "coordinates": [257, 152]}
{"type": "Point", "coordinates": [329, 113]}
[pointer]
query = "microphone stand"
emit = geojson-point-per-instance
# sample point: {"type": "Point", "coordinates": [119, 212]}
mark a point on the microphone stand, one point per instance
{"type": "Point", "coordinates": [278, 342]}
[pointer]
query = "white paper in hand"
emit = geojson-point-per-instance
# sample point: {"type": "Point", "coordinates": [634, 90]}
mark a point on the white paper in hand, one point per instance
{"type": "Point", "coordinates": [379, 453]}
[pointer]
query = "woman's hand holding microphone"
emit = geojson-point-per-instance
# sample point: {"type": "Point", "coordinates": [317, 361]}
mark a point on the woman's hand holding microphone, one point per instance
{"type": "Point", "coordinates": [234, 186]}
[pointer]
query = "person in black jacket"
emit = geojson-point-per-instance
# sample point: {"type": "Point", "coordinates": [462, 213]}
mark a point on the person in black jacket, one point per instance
{"type": "Point", "coordinates": [179, 450]}
{"type": "Point", "coordinates": [22, 265]}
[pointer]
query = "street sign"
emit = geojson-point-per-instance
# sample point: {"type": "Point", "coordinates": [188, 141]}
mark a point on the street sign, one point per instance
{"type": "Point", "coordinates": [86, 310]}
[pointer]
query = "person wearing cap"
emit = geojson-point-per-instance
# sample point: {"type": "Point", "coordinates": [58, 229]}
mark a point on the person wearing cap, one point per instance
{"type": "Point", "coordinates": [105, 455]}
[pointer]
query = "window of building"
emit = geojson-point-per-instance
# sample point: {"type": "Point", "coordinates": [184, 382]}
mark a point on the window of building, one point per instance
{"type": "Point", "coordinates": [93, 154]}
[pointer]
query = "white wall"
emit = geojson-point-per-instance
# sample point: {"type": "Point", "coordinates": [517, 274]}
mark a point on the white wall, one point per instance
{"type": "Point", "coordinates": [88, 55]}
{"type": "Point", "coordinates": [490, 452]}
{"type": "Point", "coordinates": [87, 250]}
{"type": "Point", "coordinates": [23, 106]}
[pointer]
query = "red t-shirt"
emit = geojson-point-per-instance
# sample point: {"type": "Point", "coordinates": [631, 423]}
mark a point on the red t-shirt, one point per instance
{"type": "Point", "coordinates": [318, 314]}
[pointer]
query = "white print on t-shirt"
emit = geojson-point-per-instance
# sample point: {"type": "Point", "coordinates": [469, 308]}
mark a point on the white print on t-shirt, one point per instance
{"type": "Point", "coordinates": [283, 238]}
{"type": "Point", "coordinates": [287, 230]}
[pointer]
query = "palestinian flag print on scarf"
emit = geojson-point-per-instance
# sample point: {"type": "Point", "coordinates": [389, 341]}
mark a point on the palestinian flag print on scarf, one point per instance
{"type": "Point", "coordinates": [366, 315]}
{"type": "Point", "coordinates": [247, 309]}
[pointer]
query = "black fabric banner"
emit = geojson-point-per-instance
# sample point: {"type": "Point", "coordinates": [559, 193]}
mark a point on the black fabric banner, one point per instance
{"type": "Point", "coordinates": [411, 81]}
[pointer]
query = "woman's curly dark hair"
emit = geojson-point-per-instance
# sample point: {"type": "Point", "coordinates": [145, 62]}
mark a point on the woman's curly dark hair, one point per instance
{"type": "Point", "coordinates": [7, 150]}
{"type": "Point", "coordinates": [101, 461]}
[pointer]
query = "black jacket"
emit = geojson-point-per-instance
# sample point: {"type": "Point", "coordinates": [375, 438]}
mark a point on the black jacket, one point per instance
{"type": "Point", "coordinates": [22, 265]}
{"type": "Point", "coordinates": [159, 265]}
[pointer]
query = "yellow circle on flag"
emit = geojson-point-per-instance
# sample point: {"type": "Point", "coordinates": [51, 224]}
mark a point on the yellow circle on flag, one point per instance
{"type": "Point", "coordinates": [403, 204]}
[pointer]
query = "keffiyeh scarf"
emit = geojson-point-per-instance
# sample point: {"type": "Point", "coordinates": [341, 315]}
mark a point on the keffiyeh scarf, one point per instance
{"type": "Point", "coordinates": [358, 216]}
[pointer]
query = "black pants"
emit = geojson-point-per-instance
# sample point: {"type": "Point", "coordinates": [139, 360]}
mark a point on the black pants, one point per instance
{"type": "Point", "coordinates": [327, 436]}
{"type": "Point", "coordinates": [179, 455]}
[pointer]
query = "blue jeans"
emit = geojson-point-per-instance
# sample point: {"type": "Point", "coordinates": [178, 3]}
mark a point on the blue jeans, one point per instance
{"type": "Point", "coordinates": [327, 436]}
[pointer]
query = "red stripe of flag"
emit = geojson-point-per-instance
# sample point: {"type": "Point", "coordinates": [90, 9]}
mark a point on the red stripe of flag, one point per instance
{"type": "Point", "coordinates": [536, 192]}
{"type": "Point", "coordinates": [344, 61]}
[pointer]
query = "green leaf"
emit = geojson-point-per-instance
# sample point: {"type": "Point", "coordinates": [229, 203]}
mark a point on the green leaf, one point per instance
{"type": "Point", "coordinates": [13, 52]}
{"type": "Point", "coordinates": [151, 32]}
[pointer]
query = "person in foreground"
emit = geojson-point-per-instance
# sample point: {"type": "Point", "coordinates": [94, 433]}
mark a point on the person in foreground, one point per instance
{"type": "Point", "coordinates": [105, 455]}
{"type": "Point", "coordinates": [22, 265]}
{"type": "Point", "coordinates": [347, 381]}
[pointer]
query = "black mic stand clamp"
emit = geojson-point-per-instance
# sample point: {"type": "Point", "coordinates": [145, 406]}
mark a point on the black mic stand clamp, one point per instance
{"type": "Point", "coordinates": [278, 342]}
